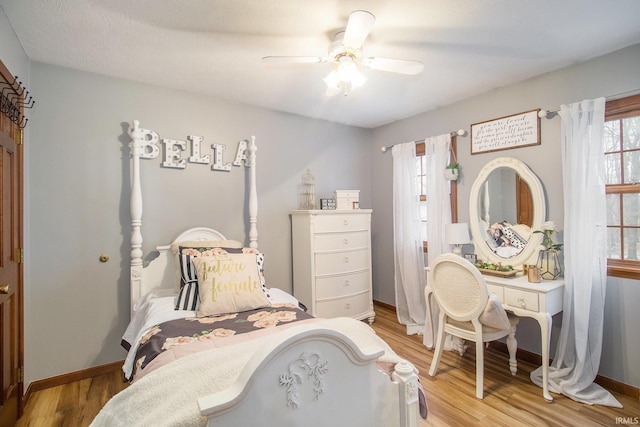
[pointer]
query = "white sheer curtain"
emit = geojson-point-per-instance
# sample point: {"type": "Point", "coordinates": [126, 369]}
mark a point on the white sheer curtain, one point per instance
{"type": "Point", "coordinates": [407, 240]}
{"type": "Point", "coordinates": [577, 358]}
{"type": "Point", "coordinates": [438, 190]}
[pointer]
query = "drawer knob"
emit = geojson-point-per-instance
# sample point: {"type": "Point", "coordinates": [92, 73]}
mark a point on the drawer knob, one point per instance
{"type": "Point", "coordinates": [522, 303]}
{"type": "Point", "coordinates": [346, 222]}
{"type": "Point", "coordinates": [347, 306]}
{"type": "Point", "coordinates": [346, 259]}
{"type": "Point", "coordinates": [346, 241]}
{"type": "Point", "coordinates": [346, 283]}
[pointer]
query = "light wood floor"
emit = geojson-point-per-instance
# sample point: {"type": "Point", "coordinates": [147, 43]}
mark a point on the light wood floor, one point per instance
{"type": "Point", "coordinates": [508, 401]}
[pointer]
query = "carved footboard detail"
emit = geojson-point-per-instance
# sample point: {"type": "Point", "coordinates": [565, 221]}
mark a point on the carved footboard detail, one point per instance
{"type": "Point", "coordinates": [324, 367]}
{"type": "Point", "coordinates": [314, 367]}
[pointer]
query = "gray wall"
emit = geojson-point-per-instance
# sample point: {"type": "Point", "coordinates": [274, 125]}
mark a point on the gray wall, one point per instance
{"type": "Point", "coordinates": [11, 51]}
{"type": "Point", "coordinates": [604, 76]}
{"type": "Point", "coordinates": [79, 165]}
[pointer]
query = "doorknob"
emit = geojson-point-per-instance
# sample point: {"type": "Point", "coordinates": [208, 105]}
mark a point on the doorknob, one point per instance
{"type": "Point", "coordinates": [4, 289]}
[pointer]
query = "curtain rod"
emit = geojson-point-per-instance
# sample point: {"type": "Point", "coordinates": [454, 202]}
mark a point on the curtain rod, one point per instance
{"type": "Point", "coordinates": [459, 132]}
{"type": "Point", "coordinates": [549, 114]}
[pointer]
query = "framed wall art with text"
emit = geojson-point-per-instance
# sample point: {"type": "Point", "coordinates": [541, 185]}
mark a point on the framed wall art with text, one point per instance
{"type": "Point", "coordinates": [518, 130]}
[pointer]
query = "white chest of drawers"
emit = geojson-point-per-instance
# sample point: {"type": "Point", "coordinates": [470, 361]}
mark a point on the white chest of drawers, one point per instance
{"type": "Point", "coordinates": [332, 262]}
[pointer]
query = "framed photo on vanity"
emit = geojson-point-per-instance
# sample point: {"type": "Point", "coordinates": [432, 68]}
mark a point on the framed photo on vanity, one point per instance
{"type": "Point", "coordinates": [472, 258]}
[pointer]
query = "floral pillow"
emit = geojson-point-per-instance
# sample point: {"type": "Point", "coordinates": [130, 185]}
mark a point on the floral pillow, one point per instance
{"type": "Point", "coordinates": [228, 283]}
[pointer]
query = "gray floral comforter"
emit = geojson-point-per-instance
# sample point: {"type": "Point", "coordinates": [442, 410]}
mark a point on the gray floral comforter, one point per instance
{"type": "Point", "coordinates": [186, 336]}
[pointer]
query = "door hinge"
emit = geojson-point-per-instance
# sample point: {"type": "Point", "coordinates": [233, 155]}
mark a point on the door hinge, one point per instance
{"type": "Point", "coordinates": [19, 255]}
{"type": "Point", "coordinates": [19, 138]}
{"type": "Point", "coordinates": [20, 374]}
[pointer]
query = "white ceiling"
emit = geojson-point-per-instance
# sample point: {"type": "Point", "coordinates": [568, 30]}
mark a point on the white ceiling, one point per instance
{"type": "Point", "coordinates": [214, 47]}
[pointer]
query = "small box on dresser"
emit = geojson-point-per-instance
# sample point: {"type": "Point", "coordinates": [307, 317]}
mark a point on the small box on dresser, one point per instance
{"type": "Point", "coordinates": [347, 199]}
{"type": "Point", "coordinates": [332, 262]}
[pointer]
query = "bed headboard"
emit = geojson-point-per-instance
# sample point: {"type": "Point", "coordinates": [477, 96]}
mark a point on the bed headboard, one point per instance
{"type": "Point", "coordinates": [161, 272]}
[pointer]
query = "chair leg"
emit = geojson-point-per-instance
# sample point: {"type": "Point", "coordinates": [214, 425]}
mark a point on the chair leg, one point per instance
{"type": "Point", "coordinates": [479, 369]}
{"type": "Point", "coordinates": [512, 346]}
{"type": "Point", "coordinates": [438, 351]}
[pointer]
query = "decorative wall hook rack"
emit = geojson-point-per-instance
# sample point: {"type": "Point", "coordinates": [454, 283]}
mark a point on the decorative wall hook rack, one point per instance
{"type": "Point", "coordinates": [14, 98]}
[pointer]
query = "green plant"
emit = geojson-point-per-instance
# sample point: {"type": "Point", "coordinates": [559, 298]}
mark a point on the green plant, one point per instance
{"type": "Point", "coordinates": [547, 241]}
{"type": "Point", "coordinates": [453, 166]}
{"type": "Point", "coordinates": [492, 266]}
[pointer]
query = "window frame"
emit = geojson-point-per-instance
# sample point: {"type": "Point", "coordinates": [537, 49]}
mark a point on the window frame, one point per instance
{"type": "Point", "coordinates": [420, 152]}
{"type": "Point", "coordinates": [616, 110]}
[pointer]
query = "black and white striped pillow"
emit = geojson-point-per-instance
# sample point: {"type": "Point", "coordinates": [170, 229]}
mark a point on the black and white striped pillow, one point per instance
{"type": "Point", "coordinates": [188, 297]}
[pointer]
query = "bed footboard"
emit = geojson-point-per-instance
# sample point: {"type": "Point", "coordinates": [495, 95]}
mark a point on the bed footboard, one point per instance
{"type": "Point", "coordinates": [317, 377]}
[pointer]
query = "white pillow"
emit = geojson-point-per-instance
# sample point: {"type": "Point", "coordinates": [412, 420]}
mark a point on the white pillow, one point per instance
{"type": "Point", "coordinates": [175, 249]}
{"type": "Point", "coordinates": [494, 314]}
{"type": "Point", "coordinates": [523, 231]}
{"type": "Point", "coordinates": [229, 283]}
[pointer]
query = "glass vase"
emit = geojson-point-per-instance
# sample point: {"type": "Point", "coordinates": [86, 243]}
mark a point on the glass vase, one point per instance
{"type": "Point", "coordinates": [549, 264]}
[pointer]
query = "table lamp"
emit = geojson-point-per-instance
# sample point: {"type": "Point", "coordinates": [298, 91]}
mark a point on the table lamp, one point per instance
{"type": "Point", "coordinates": [457, 234]}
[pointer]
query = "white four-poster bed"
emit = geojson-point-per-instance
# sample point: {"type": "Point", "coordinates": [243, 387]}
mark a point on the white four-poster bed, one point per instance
{"type": "Point", "coordinates": [310, 371]}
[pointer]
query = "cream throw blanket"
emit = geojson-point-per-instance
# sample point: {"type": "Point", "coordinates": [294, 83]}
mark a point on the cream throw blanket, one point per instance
{"type": "Point", "coordinates": [168, 396]}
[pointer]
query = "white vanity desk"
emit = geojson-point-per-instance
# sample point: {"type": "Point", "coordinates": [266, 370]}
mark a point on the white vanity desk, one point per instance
{"type": "Point", "coordinates": [539, 301]}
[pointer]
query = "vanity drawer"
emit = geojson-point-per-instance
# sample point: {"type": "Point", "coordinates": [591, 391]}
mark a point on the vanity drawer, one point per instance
{"type": "Point", "coordinates": [338, 286]}
{"type": "Point", "coordinates": [341, 262]}
{"type": "Point", "coordinates": [341, 222]}
{"type": "Point", "coordinates": [340, 241]}
{"type": "Point", "coordinates": [522, 299]}
{"type": "Point", "coordinates": [344, 307]}
{"type": "Point", "coordinates": [497, 290]}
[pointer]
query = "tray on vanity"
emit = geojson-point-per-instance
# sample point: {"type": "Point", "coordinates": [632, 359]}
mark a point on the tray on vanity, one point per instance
{"type": "Point", "coordinates": [498, 273]}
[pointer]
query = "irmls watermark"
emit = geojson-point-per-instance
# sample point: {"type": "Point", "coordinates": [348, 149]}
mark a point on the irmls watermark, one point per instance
{"type": "Point", "coordinates": [627, 420]}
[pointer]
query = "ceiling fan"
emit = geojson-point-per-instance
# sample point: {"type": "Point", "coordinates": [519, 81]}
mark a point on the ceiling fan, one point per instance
{"type": "Point", "coordinates": [345, 53]}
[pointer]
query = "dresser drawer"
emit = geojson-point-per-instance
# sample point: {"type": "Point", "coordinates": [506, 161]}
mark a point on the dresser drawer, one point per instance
{"type": "Point", "coordinates": [344, 307]}
{"type": "Point", "coordinates": [522, 299]}
{"type": "Point", "coordinates": [341, 262]}
{"type": "Point", "coordinates": [338, 286]}
{"type": "Point", "coordinates": [339, 241]}
{"type": "Point", "coordinates": [344, 222]}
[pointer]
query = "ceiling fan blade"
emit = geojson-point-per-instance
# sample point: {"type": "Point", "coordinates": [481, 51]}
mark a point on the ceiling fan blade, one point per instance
{"type": "Point", "coordinates": [358, 28]}
{"type": "Point", "coordinates": [401, 66]}
{"type": "Point", "coordinates": [294, 59]}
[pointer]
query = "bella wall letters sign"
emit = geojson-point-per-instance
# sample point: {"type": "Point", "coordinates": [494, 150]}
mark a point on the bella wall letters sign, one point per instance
{"type": "Point", "coordinates": [174, 150]}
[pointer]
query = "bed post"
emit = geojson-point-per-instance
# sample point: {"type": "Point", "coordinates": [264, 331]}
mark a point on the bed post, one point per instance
{"type": "Point", "coordinates": [404, 375]}
{"type": "Point", "coordinates": [136, 146]}
{"type": "Point", "coordinates": [253, 195]}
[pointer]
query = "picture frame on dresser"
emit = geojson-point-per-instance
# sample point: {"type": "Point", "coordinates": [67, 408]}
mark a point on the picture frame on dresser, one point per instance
{"type": "Point", "coordinates": [332, 262]}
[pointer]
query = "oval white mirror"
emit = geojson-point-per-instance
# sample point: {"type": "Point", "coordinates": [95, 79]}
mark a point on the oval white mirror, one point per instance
{"type": "Point", "coordinates": [506, 205]}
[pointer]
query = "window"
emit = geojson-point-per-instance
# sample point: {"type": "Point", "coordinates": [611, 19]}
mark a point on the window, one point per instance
{"type": "Point", "coordinates": [421, 165]}
{"type": "Point", "coordinates": [622, 166]}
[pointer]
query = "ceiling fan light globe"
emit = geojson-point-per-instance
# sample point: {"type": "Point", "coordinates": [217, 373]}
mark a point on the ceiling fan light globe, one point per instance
{"type": "Point", "coordinates": [332, 80]}
{"type": "Point", "coordinates": [357, 79]}
{"type": "Point", "coordinates": [348, 72]}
